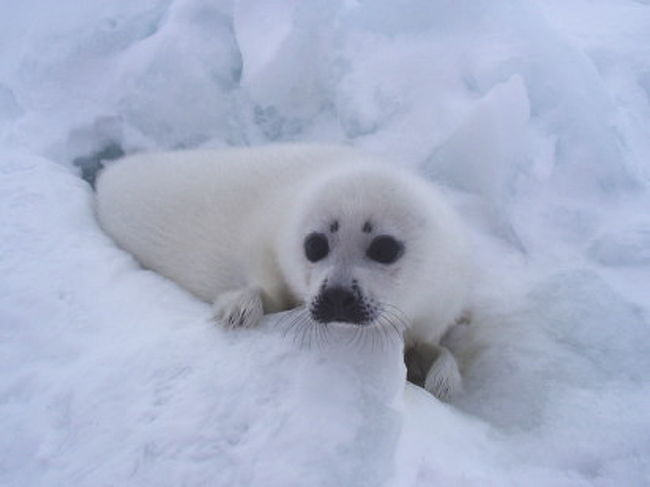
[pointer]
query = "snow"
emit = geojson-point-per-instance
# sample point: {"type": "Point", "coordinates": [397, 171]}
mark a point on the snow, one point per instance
{"type": "Point", "coordinates": [535, 115]}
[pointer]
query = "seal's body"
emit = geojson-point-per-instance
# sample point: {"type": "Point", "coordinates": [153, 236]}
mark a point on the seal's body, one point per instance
{"type": "Point", "coordinates": [265, 229]}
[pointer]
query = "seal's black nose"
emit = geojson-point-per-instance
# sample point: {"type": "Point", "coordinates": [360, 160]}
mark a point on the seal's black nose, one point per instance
{"type": "Point", "coordinates": [338, 304]}
{"type": "Point", "coordinates": [339, 299]}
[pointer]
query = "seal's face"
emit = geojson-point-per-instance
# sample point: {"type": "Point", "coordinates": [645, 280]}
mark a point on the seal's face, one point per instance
{"type": "Point", "coordinates": [335, 260]}
{"type": "Point", "coordinates": [357, 253]}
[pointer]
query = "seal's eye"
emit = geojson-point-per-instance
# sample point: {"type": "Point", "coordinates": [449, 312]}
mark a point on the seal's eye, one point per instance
{"type": "Point", "coordinates": [385, 249]}
{"type": "Point", "coordinates": [316, 247]}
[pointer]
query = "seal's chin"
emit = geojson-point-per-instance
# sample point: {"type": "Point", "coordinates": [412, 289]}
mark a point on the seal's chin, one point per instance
{"type": "Point", "coordinates": [344, 322]}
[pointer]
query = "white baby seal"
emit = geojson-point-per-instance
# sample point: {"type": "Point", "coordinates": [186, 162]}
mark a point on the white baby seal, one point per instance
{"type": "Point", "coordinates": [265, 229]}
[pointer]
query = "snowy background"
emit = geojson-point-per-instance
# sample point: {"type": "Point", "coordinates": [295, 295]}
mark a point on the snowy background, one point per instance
{"type": "Point", "coordinates": [534, 114]}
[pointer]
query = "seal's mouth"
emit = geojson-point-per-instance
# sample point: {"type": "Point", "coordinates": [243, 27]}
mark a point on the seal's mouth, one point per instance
{"type": "Point", "coordinates": [339, 304]}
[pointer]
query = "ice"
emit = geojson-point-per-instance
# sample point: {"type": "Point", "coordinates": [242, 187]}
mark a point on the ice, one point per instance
{"type": "Point", "coordinates": [568, 345]}
{"type": "Point", "coordinates": [496, 129]}
{"type": "Point", "coordinates": [534, 116]}
{"type": "Point", "coordinates": [488, 165]}
{"type": "Point", "coordinates": [171, 96]}
{"type": "Point", "coordinates": [9, 108]}
{"type": "Point", "coordinates": [628, 248]}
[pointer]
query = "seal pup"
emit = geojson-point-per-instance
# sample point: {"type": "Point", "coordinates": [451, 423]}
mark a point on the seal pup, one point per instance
{"type": "Point", "coordinates": [264, 229]}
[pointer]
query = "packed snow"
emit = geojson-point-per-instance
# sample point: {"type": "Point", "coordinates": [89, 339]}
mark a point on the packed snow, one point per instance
{"type": "Point", "coordinates": [534, 115]}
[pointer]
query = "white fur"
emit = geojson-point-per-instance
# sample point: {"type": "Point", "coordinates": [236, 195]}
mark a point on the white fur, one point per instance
{"type": "Point", "coordinates": [229, 226]}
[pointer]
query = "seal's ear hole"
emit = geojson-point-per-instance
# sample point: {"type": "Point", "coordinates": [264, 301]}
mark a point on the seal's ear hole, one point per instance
{"type": "Point", "coordinates": [385, 249]}
{"type": "Point", "coordinates": [316, 247]}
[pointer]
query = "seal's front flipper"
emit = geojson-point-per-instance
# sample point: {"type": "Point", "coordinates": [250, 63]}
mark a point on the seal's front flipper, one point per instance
{"type": "Point", "coordinates": [434, 368]}
{"type": "Point", "coordinates": [241, 308]}
{"type": "Point", "coordinates": [443, 379]}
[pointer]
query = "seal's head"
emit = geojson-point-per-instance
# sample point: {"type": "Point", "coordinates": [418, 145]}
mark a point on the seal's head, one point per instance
{"type": "Point", "coordinates": [367, 242]}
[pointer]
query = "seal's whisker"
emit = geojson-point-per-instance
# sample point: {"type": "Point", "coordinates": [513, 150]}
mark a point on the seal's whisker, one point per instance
{"type": "Point", "coordinates": [374, 338]}
{"type": "Point", "coordinates": [395, 323]}
{"type": "Point", "coordinates": [306, 335]}
{"type": "Point", "coordinates": [356, 337]}
{"type": "Point", "coordinates": [316, 334]}
{"type": "Point", "coordinates": [380, 332]}
{"type": "Point", "coordinates": [397, 313]}
{"type": "Point", "coordinates": [398, 318]}
{"type": "Point", "coordinates": [328, 333]}
{"type": "Point", "coordinates": [322, 333]}
{"type": "Point", "coordinates": [390, 332]}
{"type": "Point", "coordinates": [301, 327]}
{"type": "Point", "coordinates": [295, 319]}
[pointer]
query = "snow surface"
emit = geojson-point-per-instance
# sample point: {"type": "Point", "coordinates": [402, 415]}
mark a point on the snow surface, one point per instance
{"type": "Point", "coordinates": [535, 114]}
